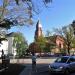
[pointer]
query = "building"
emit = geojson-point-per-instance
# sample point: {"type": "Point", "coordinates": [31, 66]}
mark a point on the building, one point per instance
{"type": "Point", "coordinates": [38, 31]}
{"type": "Point", "coordinates": [11, 49]}
{"type": "Point", "coordinates": [4, 47]}
{"type": "Point", "coordinates": [7, 45]}
{"type": "Point", "coordinates": [56, 40]}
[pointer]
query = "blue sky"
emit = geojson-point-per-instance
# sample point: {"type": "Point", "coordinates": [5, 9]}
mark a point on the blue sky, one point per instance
{"type": "Point", "coordinates": [60, 13]}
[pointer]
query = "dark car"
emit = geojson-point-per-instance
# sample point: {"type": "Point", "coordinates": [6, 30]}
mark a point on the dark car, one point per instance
{"type": "Point", "coordinates": [63, 64]}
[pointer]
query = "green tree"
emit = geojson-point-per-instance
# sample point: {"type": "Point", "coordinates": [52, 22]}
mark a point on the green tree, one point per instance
{"type": "Point", "coordinates": [19, 12]}
{"type": "Point", "coordinates": [67, 33]}
{"type": "Point", "coordinates": [49, 44]}
{"type": "Point", "coordinates": [33, 47]}
{"type": "Point", "coordinates": [41, 41]}
{"type": "Point", "coordinates": [20, 44]}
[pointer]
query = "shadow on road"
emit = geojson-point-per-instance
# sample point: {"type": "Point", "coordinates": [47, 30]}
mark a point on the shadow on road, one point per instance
{"type": "Point", "coordinates": [14, 69]}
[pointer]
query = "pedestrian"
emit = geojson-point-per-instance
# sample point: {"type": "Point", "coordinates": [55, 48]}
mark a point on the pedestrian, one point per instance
{"type": "Point", "coordinates": [3, 55]}
{"type": "Point", "coordinates": [2, 52]}
{"type": "Point", "coordinates": [34, 62]}
{"type": "Point", "coordinates": [3, 58]}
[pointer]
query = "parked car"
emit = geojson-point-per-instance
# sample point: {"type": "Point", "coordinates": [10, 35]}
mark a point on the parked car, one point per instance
{"type": "Point", "coordinates": [63, 64]}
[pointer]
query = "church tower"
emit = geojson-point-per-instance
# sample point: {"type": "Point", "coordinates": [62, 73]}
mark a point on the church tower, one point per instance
{"type": "Point", "coordinates": [38, 31]}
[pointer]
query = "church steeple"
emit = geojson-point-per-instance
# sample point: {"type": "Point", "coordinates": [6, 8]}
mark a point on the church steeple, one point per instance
{"type": "Point", "coordinates": [38, 25]}
{"type": "Point", "coordinates": [38, 31]}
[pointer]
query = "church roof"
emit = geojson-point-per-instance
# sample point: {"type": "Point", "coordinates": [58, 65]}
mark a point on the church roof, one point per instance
{"type": "Point", "coordinates": [54, 37]}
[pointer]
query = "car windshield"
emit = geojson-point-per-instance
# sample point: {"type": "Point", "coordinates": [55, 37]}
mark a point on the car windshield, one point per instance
{"type": "Point", "coordinates": [62, 59]}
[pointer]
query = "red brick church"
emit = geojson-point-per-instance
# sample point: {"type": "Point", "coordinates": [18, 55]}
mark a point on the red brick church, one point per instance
{"type": "Point", "coordinates": [55, 39]}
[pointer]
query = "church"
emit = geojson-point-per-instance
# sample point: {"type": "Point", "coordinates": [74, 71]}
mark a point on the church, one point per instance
{"type": "Point", "coordinates": [38, 31]}
{"type": "Point", "coordinates": [56, 40]}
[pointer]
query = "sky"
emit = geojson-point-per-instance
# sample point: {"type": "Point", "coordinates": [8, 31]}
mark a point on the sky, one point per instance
{"type": "Point", "coordinates": [60, 13]}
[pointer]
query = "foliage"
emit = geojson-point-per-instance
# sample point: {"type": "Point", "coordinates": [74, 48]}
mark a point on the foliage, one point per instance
{"type": "Point", "coordinates": [33, 47]}
{"type": "Point", "coordinates": [47, 47]}
{"type": "Point", "coordinates": [20, 44]}
{"type": "Point", "coordinates": [3, 33]}
{"type": "Point", "coordinates": [73, 25]}
{"type": "Point", "coordinates": [6, 23]}
{"type": "Point", "coordinates": [48, 33]}
{"type": "Point", "coordinates": [19, 12]}
{"type": "Point", "coordinates": [41, 41]}
{"type": "Point", "coordinates": [50, 44]}
{"type": "Point", "coordinates": [67, 33]}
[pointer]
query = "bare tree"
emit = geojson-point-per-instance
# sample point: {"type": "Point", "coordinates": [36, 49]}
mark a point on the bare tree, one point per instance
{"type": "Point", "coordinates": [67, 33]}
{"type": "Point", "coordinates": [20, 12]}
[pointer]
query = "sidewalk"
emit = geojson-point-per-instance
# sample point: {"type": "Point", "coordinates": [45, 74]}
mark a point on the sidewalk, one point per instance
{"type": "Point", "coordinates": [29, 61]}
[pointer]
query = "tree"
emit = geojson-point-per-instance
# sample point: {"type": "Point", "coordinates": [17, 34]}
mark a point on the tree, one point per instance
{"type": "Point", "coordinates": [19, 12]}
{"type": "Point", "coordinates": [67, 33]}
{"type": "Point", "coordinates": [48, 33]}
{"type": "Point", "coordinates": [41, 41]}
{"type": "Point", "coordinates": [34, 48]}
{"type": "Point", "coordinates": [20, 44]}
{"type": "Point", "coordinates": [47, 47]}
{"type": "Point", "coordinates": [49, 44]}
{"type": "Point", "coordinates": [73, 25]}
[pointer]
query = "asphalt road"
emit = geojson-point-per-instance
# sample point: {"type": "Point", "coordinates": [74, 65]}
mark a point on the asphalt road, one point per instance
{"type": "Point", "coordinates": [42, 67]}
{"type": "Point", "coordinates": [47, 73]}
{"type": "Point", "coordinates": [44, 71]}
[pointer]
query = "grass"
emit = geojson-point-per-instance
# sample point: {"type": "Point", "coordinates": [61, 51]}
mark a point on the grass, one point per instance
{"type": "Point", "coordinates": [14, 69]}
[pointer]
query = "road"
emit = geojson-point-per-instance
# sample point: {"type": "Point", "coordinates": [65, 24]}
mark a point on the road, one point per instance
{"type": "Point", "coordinates": [44, 71]}
{"type": "Point", "coordinates": [42, 67]}
{"type": "Point", "coordinates": [47, 73]}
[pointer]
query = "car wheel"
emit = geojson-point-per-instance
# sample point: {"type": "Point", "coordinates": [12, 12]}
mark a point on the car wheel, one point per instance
{"type": "Point", "coordinates": [67, 72]}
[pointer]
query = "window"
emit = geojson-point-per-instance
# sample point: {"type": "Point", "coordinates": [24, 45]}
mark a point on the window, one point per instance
{"type": "Point", "coordinates": [71, 59]}
{"type": "Point", "coordinates": [62, 59]}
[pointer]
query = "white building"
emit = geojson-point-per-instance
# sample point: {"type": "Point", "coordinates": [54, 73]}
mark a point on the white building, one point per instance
{"type": "Point", "coordinates": [4, 46]}
{"type": "Point", "coordinates": [7, 45]}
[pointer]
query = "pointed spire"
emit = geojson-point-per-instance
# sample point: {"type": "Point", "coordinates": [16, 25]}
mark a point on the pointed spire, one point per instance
{"type": "Point", "coordinates": [38, 24]}
{"type": "Point", "coordinates": [38, 31]}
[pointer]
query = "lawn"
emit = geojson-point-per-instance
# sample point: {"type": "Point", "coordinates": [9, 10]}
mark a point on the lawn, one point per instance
{"type": "Point", "coordinates": [14, 69]}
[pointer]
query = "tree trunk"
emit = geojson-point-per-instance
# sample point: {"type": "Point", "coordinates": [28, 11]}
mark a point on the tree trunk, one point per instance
{"type": "Point", "coordinates": [68, 51]}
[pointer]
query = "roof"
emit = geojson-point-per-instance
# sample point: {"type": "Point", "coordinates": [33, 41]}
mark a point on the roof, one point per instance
{"type": "Point", "coordinates": [68, 56]}
{"type": "Point", "coordinates": [53, 38]}
{"type": "Point", "coordinates": [10, 34]}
